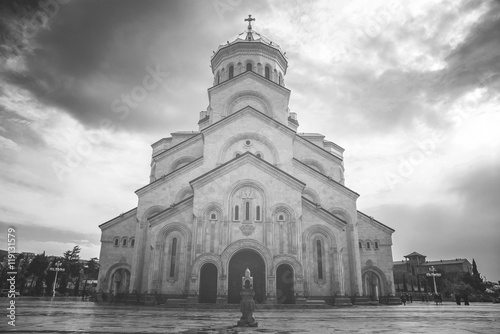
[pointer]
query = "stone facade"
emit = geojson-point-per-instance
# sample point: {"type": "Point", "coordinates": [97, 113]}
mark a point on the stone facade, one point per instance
{"type": "Point", "coordinates": [247, 190]}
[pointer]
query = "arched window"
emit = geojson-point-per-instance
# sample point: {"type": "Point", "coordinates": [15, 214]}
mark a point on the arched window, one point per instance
{"type": "Point", "coordinates": [247, 211]}
{"type": "Point", "coordinates": [132, 242]}
{"type": "Point", "coordinates": [376, 244]}
{"type": "Point", "coordinates": [281, 218]}
{"type": "Point", "coordinates": [124, 243]}
{"type": "Point", "coordinates": [320, 260]}
{"type": "Point", "coordinates": [236, 212]}
{"type": "Point", "coordinates": [172, 257]}
{"type": "Point", "coordinates": [218, 78]}
{"type": "Point", "coordinates": [116, 242]}
{"type": "Point", "coordinates": [267, 72]}
{"type": "Point", "coordinates": [368, 245]}
{"type": "Point", "coordinates": [360, 245]}
{"type": "Point", "coordinates": [231, 72]}
{"type": "Point", "coordinates": [213, 216]}
{"type": "Point", "coordinates": [249, 67]}
{"type": "Point", "coordinates": [257, 212]}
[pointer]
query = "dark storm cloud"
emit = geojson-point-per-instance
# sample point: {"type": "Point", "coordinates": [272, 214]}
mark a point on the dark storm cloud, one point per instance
{"type": "Point", "coordinates": [95, 52]}
{"type": "Point", "coordinates": [35, 232]}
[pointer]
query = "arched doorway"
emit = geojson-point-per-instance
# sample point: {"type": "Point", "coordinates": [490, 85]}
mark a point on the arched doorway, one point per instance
{"type": "Point", "coordinates": [371, 285]}
{"type": "Point", "coordinates": [120, 282]}
{"type": "Point", "coordinates": [208, 283]}
{"type": "Point", "coordinates": [237, 265]}
{"type": "Point", "coordinates": [284, 284]}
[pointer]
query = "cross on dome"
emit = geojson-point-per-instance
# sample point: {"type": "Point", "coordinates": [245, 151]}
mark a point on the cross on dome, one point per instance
{"type": "Point", "coordinates": [249, 19]}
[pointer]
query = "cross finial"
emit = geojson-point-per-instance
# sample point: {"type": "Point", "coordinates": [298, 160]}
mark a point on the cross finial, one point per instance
{"type": "Point", "coordinates": [250, 19]}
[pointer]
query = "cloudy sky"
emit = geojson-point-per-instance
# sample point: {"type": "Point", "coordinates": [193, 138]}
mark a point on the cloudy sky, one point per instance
{"type": "Point", "coordinates": [410, 91]}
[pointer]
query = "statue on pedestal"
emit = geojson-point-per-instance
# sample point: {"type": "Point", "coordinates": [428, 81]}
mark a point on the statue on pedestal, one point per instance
{"type": "Point", "coordinates": [247, 305]}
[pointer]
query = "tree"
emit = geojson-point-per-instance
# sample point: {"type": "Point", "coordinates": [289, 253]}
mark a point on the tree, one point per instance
{"type": "Point", "coordinates": [73, 268]}
{"type": "Point", "coordinates": [474, 269]}
{"type": "Point", "coordinates": [37, 269]}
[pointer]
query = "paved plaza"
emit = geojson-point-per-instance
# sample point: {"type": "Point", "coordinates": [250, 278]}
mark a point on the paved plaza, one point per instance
{"type": "Point", "coordinates": [44, 316]}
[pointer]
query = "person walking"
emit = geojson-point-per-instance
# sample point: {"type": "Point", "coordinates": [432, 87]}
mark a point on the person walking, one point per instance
{"type": "Point", "coordinates": [403, 299]}
{"type": "Point", "coordinates": [457, 298]}
{"type": "Point", "coordinates": [465, 297]}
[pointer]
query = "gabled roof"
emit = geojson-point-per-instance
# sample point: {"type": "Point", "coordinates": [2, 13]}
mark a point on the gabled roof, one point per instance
{"type": "Point", "coordinates": [251, 110]}
{"type": "Point", "coordinates": [248, 157]}
{"type": "Point", "coordinates": [118, 218]}
{"type": "Point", "coordinates": [415, 254]}
{"type": "Point", "coordinates": [373, 220]}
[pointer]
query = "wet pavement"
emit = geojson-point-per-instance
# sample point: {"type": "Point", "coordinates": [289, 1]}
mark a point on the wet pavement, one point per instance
{"type": "Point", "coordinates": [44, 316]}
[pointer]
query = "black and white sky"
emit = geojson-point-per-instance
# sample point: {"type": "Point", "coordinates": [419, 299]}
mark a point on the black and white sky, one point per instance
{"type": "Point", "coordinates": [410, 90]}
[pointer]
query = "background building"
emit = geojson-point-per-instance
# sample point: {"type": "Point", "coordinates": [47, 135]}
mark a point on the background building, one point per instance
{"type": "Point", "coordinates": [411, 274]}
{"type": "Point", "coordinates": [247, 191]}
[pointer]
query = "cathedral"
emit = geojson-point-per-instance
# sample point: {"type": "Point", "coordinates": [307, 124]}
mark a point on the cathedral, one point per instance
{"type": "Point", "coordinates": [247, 191]}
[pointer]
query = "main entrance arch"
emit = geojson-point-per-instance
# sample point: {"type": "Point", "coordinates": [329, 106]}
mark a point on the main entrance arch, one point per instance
{"type": "Point", "coordinates": [208, 283]}
{"type": "Point", "coordinates": [239, 262]}
{"type": "Point", "coordinates": [284, 284]}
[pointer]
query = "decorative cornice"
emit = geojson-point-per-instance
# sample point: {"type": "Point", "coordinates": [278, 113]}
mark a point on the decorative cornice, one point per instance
{"type": "Point", "coordinates": [242, 46]}
{"type": "Point", "coordinates": [167, 177]}
{"type": "Point", "coordinates": [326, 179]}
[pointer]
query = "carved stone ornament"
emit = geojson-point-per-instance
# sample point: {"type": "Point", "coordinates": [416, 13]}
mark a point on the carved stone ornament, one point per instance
{"type": "Point", "coordinates": [247, 193]}
{"type": "Point", "coordinates": [247, 229]}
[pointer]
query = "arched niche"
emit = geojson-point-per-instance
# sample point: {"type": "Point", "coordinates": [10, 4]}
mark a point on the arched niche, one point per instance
{"type": "Point", "coordinates": [311, 195]}
{"type": "Point", "coordinates": [182, 161]}
{"type": "Point", "coordinates": [258, 143]}
{"type": "Point", "coordinates": [246, 98]}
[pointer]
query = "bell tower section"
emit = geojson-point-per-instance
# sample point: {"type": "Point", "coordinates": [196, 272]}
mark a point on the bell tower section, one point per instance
{"type": "Point", "coordinates": [249, 71]}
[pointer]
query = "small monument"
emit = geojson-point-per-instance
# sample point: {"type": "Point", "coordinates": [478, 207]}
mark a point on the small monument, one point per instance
{"type": "Point", "coordinates": [247, 305]}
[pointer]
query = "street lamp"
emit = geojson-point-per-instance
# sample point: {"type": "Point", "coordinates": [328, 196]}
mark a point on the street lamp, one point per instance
{"type": "Point", "coordinates": [433, 273]}
{"type": "Point", "coordinates": [57, 269]}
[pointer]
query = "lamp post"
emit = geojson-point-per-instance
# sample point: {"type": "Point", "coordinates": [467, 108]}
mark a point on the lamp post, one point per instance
{"type": "Point", "coordinates": [57, 269]}
{"type": "Point", "coordinates": [433, 273]}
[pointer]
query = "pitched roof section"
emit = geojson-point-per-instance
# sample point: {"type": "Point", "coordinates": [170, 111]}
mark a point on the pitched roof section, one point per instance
{"type": "Point", "coordinates": [118, 219]}
{"type": "Point", "coordinates": [248, 157]}
{"type": "Point", "coordinates": [248, 110]}
{"type": "Point", "coordinates": [376, 222]}
{"type": "Point", "coordinates": [415, 254]}
{"type": "Point", "coordinates": [326, 178]}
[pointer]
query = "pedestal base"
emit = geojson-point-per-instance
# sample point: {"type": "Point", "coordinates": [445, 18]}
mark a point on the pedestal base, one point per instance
{"type": "Point", "coordinates": [247, 306]}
